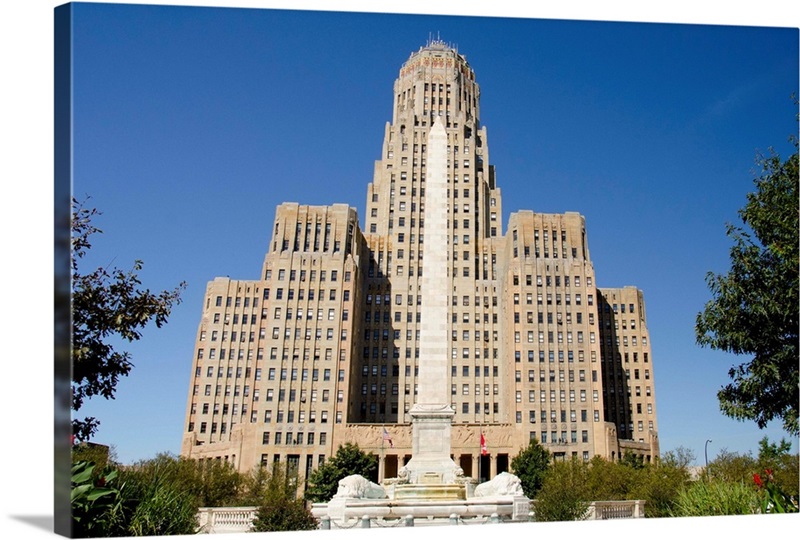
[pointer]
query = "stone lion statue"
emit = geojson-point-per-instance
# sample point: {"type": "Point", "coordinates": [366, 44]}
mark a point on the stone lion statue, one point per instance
{"type": "Point", "coordinates": [402, 477]}
{"type": "Point", "coordinates": [357, 487]}
{"type": "Point", "coordinates": [502, 484]}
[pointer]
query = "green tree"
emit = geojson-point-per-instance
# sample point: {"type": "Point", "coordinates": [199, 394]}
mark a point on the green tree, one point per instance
{"type": "Point", "coordinates": [106, 304]}
{"type": "Point", "coordinates": [776, 457]}
{"type": "Point", "coordinates": [563, 496]}
{"type": "Point", "coordinates": [323, 482]}
{"type": "Point", "coordinates": [632, 460]}
{"type": "Point", "coordinates": [530, 466]}
{"type": "Point", "coordinates": [99, 454]}
{"type": "Point", "coordinates": [732, 467]}
{"type": "Point", "coordinates": [753, 310]}
{"type": "Point", "coordinates": [660, 483]}
{"type": "Point", "coordinates": [607, 480]}
{"type": "Point", "coordinates": [279, 509]}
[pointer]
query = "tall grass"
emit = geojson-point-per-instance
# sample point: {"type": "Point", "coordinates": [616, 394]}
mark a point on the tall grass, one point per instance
{"type": "Point", "coordinates": [716, 498]}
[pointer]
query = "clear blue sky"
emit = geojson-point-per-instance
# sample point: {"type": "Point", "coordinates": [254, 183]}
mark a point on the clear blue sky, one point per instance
{"type": "Point", "coordinates": [192, 124]}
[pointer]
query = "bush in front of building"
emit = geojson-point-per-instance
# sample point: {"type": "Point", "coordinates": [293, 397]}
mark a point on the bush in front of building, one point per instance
{"type": "Point", "coordinates": [563, 496]}
{"type": "Point", "coordinates": [323, 482]}
{"type": "Point", "coordinates": [531, 466]}
{"type": "Point", "coordinates": [716, 498]}
{"type": "Point", "coordinates": [279, 509]}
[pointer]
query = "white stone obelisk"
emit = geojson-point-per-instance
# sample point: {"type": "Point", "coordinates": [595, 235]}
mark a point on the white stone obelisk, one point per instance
{"type": "Point", "coordinates": [432, 414]}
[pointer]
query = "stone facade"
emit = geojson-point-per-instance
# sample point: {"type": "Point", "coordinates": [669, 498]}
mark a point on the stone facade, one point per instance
{"type": "Point", "coordinates": [324, 348]}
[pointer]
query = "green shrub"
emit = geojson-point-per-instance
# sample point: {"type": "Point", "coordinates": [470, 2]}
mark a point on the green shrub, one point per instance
{"type": "Point", "coordinates": [716, 498]}
{"type": "Point", "coordinates": [98, 507]}
{"type": "Point", "coordinates": [161, 507]}
{"type": "Point", "coordinates": [323, 482]}
{"type": "Point", "coordinates": [279, 509]}
{"type": "Point", "coordinates": [211, 483]}
{"type": "Point", "coordinates": [563, 493]}
{"type": "Point", "coordinates": [530, 466]}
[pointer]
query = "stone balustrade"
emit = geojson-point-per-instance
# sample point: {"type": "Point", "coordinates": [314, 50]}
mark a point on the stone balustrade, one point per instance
{"type": "Point", "coordinates": [240, 519]}
{"type": "Point", "coordinates": [226, 519]}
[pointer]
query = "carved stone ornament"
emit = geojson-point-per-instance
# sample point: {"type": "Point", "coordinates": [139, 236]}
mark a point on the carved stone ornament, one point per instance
{"type": "Point", "coordinates": [502, 484]}
{"type": "Point", "coordinates": [357, 487]}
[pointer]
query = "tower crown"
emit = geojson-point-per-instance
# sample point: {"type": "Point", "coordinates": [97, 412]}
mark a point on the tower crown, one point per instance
{"type": "Point", "coordinates": [436, 54]}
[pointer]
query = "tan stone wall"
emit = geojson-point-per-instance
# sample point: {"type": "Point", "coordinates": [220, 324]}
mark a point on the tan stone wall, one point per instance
{"type": "Point", "coordinates": [629, 381]}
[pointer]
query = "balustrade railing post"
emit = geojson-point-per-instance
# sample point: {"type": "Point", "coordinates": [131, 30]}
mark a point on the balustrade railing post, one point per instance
{"type": "Point", "coordinates": [365, 521]}
{"type": "Point", "coordinates": [453, 519]}
{"type": "Point", "coordinates": [409, 521]}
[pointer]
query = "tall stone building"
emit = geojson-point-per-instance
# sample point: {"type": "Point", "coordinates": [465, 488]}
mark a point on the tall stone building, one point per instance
{"type": "Point", "coordinates": [323, 348]}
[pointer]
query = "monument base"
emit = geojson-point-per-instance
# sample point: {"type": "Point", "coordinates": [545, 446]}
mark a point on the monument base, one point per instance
{"type": "Point", "coordinates": [430, 492]}
{"type": "Point", "coordinates": [430, 460]}
{"type": "Point", "coordinates": [343, 513]}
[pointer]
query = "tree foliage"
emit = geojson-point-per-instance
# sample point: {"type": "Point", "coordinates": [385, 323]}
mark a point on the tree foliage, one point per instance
{"type": "Point", "coordinates": [754, 307]}
{"type": "Point", "coordinates": [661, 482]}
{"type": "Point", "coordinates": [730, 466]}
{"type": "Point", "coordinates": [279, 509]}
{"type": "Point", "coordinates": [530, 466]}
{"type": "Point", "coordinates": [773, 457]}
{"type": "Point", "coordinates": [611, 480]}
{"type": "Point", "coordinates": [106, 304]}
{"type": "Point", "coordinates": [563, 496]}
{"type": "Point", "coordinates": [323, 482]}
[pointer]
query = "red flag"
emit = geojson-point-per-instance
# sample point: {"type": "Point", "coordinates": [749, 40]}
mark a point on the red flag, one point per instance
{"type": "Point", "coordinates": [387, 438]}
{"type": "Point", "coordinates": [483, 445]}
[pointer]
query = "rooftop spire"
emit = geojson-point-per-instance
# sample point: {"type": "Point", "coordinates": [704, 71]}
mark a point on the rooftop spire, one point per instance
{"type": "Point", "coordinates": [438, 43]}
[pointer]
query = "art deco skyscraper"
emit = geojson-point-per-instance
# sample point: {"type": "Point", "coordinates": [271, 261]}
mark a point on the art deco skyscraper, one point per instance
{"type": "Point", "coordinates": [324, 348]}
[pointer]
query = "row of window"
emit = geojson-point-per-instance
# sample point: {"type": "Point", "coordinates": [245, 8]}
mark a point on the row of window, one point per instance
{"type": "Point", "coordinates": [551, 376]}
{"type": "Point", "coordinates": [293, 275]}
{"type": "Point", "coordinates": [540, 299]}
{"type": "Point", "coordinates": [607, 321]}
{"type": "Point", "coordinates": [638, 391]}
{"type": "Point", "coordinates": [300, 334]}
{"type": "Point", "coordinates": [543, 395]}
{"type": "Point", "coordinates": [559, 317]}
{"type": "Point", "coordinates": [233, 354]}
{"type": "Point", "coordinates": [235, 302]}
{"type": "Point", "coordinates": [241, 337]}
{"type": "Point", "coordinates": [633, 341]}
{"type": "Point", "coordinates": [553, 337]}
{"type": "Point", "coordinates": [308, 314]}
{"type": "Point", "coordinates": [551, 356]}
{"type": "Point", "coordinates": [609, 357]}
{"type": "Point", "coordinates": [628, 374]}
{"type": "Point", "coordinates": [297, 438]}
{"type": "Point", "coordinates": [290, 294]}
{"type": "Point", "coordinates": [526, 251]}
{"type": "Point", "coordinates": [608, 307]}
{"type": "Point", "coordinates": [550, 280]}
{"type": "Point", "coordinates": [245, 318]}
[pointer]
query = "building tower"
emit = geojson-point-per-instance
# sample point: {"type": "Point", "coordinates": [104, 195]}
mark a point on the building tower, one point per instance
{"type": "Point", "coordinates": [325, 347]}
